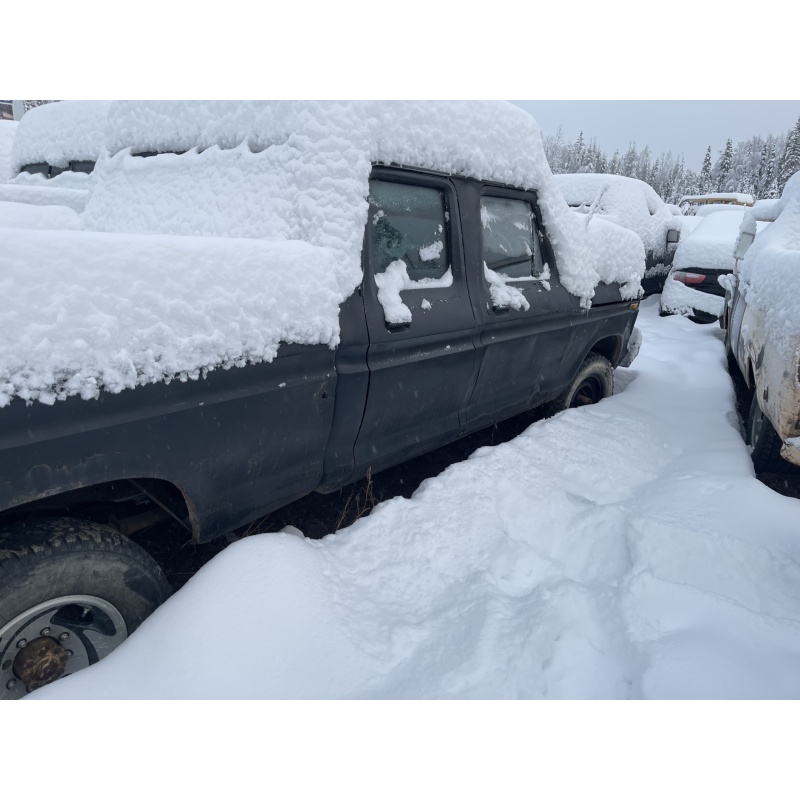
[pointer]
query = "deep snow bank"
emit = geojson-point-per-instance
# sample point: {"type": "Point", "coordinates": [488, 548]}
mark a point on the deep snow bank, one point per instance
{"type": "Point", "coordinates": [622, 550]}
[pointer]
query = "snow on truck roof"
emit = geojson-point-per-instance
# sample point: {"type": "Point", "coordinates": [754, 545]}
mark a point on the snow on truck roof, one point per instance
{"type": "Point", "coordinates": [246, 232]}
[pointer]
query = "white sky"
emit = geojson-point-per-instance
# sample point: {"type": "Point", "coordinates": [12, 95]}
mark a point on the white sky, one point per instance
{"type": "Point", "coordinates": [683, 126]}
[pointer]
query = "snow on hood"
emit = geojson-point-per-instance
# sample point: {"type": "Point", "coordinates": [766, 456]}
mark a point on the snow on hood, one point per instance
{"type": "Point", "coordinates": [57, 133]}
{"type": "Point", "coordinates": [770, 271]}
{"type": "Point", "coordinates": [231, 173]}
{"type": "Point", "coordinates": [710, 245]}
{"type": "Point", "coordinates": [628, 202]}
{"type": "Point", "coordinates": [7, 131]}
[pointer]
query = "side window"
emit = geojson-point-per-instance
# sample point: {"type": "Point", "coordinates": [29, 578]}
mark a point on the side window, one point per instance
{"type": "Point", "coordinates": [408, 223]}
{"type": "Point", "coordinates": [509, 245]}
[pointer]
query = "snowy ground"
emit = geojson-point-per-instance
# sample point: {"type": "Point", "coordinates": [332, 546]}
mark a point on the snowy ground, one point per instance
{"type": "Point", "coordinates": [623, 550]}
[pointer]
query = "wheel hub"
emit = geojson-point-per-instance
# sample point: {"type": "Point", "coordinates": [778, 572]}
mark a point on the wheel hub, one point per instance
{"type": "Point", "coordinates": [56, 638]}
{"type": "Point", "coordinates": [40, 662]}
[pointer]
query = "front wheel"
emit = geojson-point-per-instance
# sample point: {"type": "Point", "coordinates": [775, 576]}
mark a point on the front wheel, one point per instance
{"type": "Point", "coordinates": [593, 382]}
{"type": "Point", "coordinates": [70, 592]}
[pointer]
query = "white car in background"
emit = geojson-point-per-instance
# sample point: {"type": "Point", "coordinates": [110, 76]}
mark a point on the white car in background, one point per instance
{"type": "Point", "coordinates": [762, 326]}
{"type": "Point", "coordinates": [693, 288]}
{"type": "Point", "coordinates": [632, 204]}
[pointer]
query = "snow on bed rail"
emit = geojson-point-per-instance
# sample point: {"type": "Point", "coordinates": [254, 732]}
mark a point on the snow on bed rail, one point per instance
{"type": "Point", "coordinates": [199, 304]}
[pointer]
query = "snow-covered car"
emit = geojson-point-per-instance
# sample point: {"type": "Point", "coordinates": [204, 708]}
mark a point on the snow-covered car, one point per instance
{"type": "Point", "coordinates": [258, 307]}
{"type": "Point", "coordinates": [692, 288]}
{"type": "Point", "coordinates": [634, 205]}
{"type": "Point", "coordinates": [762, 326]}
{"type": "Point", "coordinates": [54, 152]}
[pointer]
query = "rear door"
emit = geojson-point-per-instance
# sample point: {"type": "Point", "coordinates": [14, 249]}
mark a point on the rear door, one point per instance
{"type": "Point", "coordinates": [420, 319]}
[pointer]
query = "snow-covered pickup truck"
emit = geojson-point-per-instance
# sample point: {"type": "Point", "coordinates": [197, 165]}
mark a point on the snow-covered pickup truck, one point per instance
{"type": "Point", "coordinates": [761, 319]}
{"type": "Point", "coordinates": [267, 299]}
{"type": "Point", "coordinates": [635, 205]}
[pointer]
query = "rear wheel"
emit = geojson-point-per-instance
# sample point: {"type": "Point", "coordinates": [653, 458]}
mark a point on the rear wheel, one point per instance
{"type": "Point", "coordinates": [764, 442]}
{"type": "Point", "coordinates": [593, 381]}
{"type": "Point", "coordinates": [70, 592]}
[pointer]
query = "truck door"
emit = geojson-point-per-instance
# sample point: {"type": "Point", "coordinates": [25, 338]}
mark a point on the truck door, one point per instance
{"type": "Point", "coordinates": [528, 342]}
{"type": "Point", "coordinates": [421, 355]}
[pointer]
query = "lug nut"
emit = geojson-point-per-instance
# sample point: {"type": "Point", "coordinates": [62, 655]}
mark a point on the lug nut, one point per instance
{"type": "Point", "coordinates": [11, 684]}
{"type": "Point", "coordinates": [6, 664]}
{"type": "Point", "coordinates": [44, 631]}
{"type": "Point", "coordinates": [69, 653]}
{"type": "Point", "coordinates": [21, 643]}
{"type": "Point", "coordinates": [63, 636]}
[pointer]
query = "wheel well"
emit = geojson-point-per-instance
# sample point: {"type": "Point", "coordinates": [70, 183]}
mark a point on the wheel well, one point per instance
{"type": "Point", "coordinates": [129, 505]}
{"type": "Point", "coordinates": [610, 348]}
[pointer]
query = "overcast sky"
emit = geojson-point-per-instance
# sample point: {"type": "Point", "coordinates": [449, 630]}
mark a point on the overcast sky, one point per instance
{"type": "Point", "coordinates": [683, 126]}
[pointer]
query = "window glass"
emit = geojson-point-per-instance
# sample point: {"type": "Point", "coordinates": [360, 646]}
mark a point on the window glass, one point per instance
{"type": "Point", "coordinates": [408, 223]}
{"type": "Point", "coordinates": [509, 246]}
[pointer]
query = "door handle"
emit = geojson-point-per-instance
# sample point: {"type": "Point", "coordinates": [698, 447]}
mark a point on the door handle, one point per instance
{"type": "Point", "coordinates": [396, 327]}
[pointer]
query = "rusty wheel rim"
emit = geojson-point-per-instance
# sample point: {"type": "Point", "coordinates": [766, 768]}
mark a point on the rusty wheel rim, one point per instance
{"type": "Point", "coordinates": [54, 639]}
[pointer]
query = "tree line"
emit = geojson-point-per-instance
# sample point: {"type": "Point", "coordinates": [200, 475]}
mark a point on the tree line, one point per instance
{"type": "Point", "coordinates": [756, 166]}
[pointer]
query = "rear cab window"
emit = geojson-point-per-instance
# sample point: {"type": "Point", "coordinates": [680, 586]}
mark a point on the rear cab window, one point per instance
{"type": "Point", "coordinates": [410, 246]}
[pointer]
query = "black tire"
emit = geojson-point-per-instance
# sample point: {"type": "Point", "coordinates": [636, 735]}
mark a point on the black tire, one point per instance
{"type": "Point", "coordinates": [593, 382]}
{"type": "Point", "coordinates": [733, 364]}
{"type": "Point", "coordinates": [46, 564]}
{"type": "Point", "coordinates": [765, 444]}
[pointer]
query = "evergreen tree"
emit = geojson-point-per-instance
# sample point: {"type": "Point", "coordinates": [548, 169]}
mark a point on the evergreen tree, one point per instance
{"type": "Point", "coordinates": [790, 163]}
{"type": "Point", "coordinates": [705, 173]}
{"type": "Point", "coordinates": [723, 166]}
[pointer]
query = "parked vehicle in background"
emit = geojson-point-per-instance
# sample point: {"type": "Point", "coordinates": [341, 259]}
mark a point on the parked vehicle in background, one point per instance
{"type": "Point", "coordinates": [762, 326]}
{"type": "Point", "coordinates": [252, 313]}
{"type": "Point", "coordinates": [8, 129]}
{"type": "Point", "coordinates": [692, 288]}
{"type": "Point", "coordinates": [54, 152]}
{"type": "Point", "coordinates": [691, 204]}
{"type": "Point", "coordinates": [634, 205]}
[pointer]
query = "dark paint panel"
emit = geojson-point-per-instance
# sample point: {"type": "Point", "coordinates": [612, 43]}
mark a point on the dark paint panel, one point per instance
{"type": "Point", "coordinates": [222, 440]}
